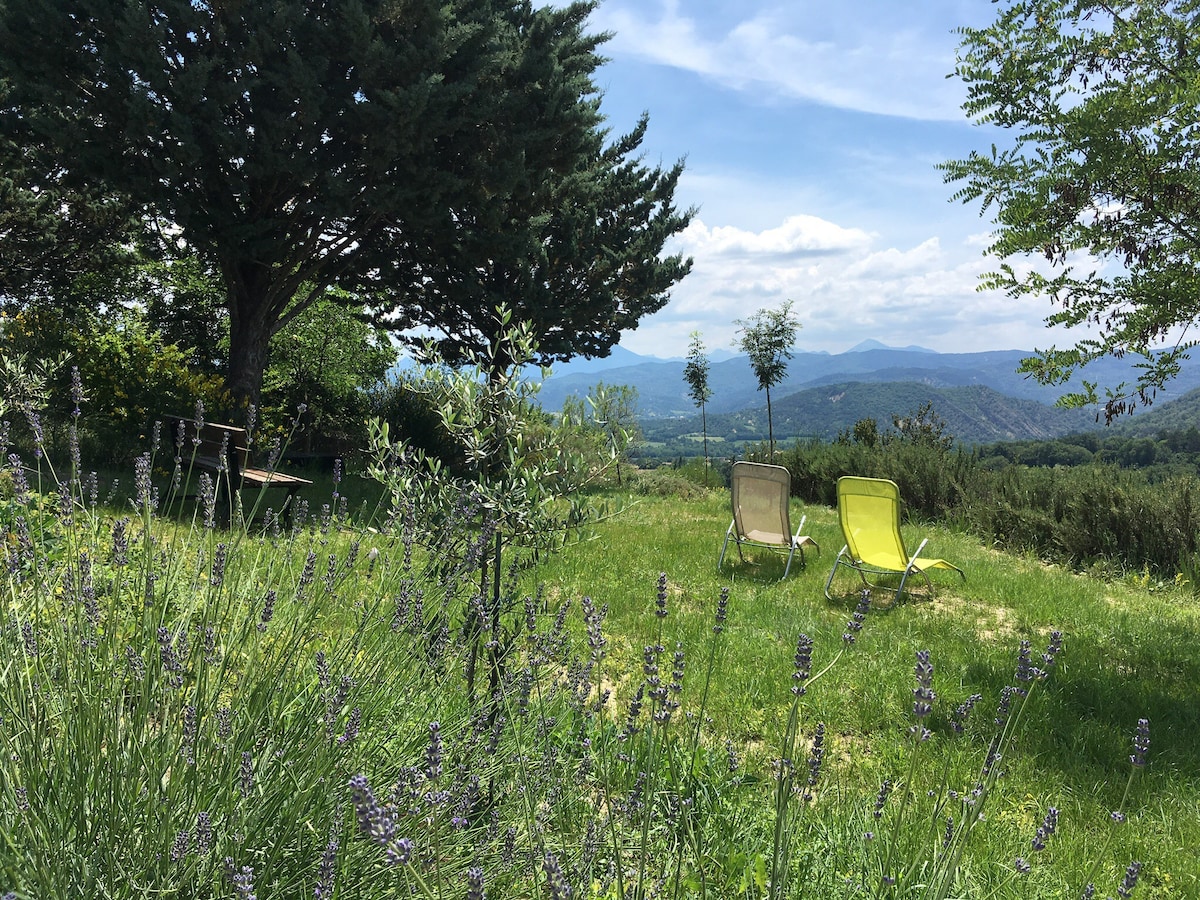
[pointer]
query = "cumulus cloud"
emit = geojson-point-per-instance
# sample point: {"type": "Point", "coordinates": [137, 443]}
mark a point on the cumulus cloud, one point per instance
{"type": "Point", "coordinates": [845, 288]}
{"type": "Point", "coordinates": [798, 236]}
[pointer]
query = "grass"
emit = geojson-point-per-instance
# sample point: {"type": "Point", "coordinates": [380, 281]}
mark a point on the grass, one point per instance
{"type": "Point", "coordinates": [1129, 654]}
{"type": "Point", "coordinates": [164, 733]}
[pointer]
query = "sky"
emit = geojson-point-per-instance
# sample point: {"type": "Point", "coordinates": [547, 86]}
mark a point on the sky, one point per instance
{"type": "Point", "coordinates": [811, 133]}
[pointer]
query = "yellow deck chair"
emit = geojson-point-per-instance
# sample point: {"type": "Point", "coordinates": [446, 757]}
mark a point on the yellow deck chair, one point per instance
{"type": "Point", "coordinates": [759, 496]}
{"type": "Point", "coordinates": [869, 509]}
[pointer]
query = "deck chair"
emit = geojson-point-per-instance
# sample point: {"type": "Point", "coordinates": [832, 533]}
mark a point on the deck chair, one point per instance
{"type": "Point", "coordinates": [869, 509]}
{"type": "Point", "coordinates": [759, 496]}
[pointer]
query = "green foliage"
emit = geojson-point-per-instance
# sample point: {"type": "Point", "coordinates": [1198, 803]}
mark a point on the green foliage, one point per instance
{"type": "Point", "coordinates": [326, 359]}
{"type": "Point", "coordinates": [1099, 103]}
{"type": "Point", "coordinates": [768, 338]}
{"type": "Point", "coordinates": [131, 373]}
{"type": "Point", "coordinates": [695, 373]}
{"type": "Point", "coordinates": [440, 156]}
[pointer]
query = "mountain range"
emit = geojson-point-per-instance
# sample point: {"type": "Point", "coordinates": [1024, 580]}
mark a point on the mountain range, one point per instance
{"type": "Point", "coordinates": [981, 395]}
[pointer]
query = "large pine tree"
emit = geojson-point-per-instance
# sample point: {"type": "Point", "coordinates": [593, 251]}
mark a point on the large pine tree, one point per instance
{"type": "Point", "coordinates": [414, 151]}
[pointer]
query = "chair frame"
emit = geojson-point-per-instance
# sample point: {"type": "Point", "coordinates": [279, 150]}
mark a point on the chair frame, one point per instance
{"type": "Point", "coordinates": [848, 556]}
{"type": "Point", "coordinates": [737, 533]}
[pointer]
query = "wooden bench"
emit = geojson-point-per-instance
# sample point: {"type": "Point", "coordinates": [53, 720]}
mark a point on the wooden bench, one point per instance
{"type": "Point", "coordinates": [221, 451]}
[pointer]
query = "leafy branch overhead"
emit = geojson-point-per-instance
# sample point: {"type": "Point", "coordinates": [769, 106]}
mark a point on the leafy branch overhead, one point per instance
{"type": "Point", "coordinates": [1096, 178]}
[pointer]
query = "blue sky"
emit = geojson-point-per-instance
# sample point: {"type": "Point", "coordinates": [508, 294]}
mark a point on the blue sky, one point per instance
{"type": "Point", "coordinates": [811, 132]}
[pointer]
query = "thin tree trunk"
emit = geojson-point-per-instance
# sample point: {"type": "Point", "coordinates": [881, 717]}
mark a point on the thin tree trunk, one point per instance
{"type": "Point", "coordinates": [770, 427]}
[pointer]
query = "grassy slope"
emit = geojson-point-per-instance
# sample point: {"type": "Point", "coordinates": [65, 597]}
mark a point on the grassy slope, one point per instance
{"type": "Point", "coordinates": [1129, 653]}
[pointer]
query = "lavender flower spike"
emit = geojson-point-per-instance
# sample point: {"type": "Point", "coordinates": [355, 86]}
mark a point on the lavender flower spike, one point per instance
{"type": "Point", "coordinates": [1129, 882]}
{"type": "Point", "coordinates": [1141, 744]}
{"type": "Point", "coordinates": [804, 648]}
{"type": "Point", "coordinates": [1047, 828]}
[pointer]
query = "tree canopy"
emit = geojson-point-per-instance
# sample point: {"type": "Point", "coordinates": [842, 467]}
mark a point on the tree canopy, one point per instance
{"type": "Point", "coordinates": [768, 338]}
{"type": "Point", "coordinates": [1098, 177]}
{"type": "Point", "coordinates": [395, 149]}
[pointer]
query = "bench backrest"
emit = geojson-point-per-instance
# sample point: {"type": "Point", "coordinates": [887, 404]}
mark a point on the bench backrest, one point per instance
{"type": "Point", "coordinates": [207, 447]}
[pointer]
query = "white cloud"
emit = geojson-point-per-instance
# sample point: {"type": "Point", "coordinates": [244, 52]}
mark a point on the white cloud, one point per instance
{"type": "Point", "coordinates": [845, 289]}
{"type": "Point", "coordinates": [798, 236]}
{"type": "Point", "coordinates": [841, 55]}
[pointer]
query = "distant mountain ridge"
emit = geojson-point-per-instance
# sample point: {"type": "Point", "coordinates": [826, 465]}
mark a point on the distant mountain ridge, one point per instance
{"type": "Point", "coordinates": [662, 392]}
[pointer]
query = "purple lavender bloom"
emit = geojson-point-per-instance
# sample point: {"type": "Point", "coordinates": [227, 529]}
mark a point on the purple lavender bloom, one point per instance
{"type": "Point", "coordinates": [815, 757]}
{"type": "Point", "coordinates": [434, 753]}
{"type": "Point", "coordinates": [246, 774]}
{"type": "Point", "coordinates": [854, 626]}
{"type": "Point", "coordinates": [1117, 816]}
{"type": "Point", "coordinates": [268, 610]}
{"type": "Point", "coordinates": [1088, 892]}
{"type": "Point", "coordinates": [923, 694]}
{"type": "Point", "coordinates": [722, 611]}
{"type": "Point", "coordinates": [660, 601]}
{"type": "Point", "coordinates": [1052, 651]}
{"type": "Point", "coordinates": [242, 881]}
{"type": "Point", "coordinates": [1047, 828]}
{"type": "Point", "coordinates": [378, 823]}
{"type": "Point", "coordinates": [475, 884]}
{"type": "Point", "coordinates": [217, 577]}
{"type": "Point", "coordinates": [1025, 670]}
{"type": "Point", "coordinates": [1021, 865]}
{"type": "Point", "coordinates": [1129, 882]}
{"type": "Point", "coordinates": [556, 881]}
{"type": "Point", "coordinates": [179, 849]}
{"type": "Point", "coordinates": [803, 664]}
{"type": "Point", "coordinates": [1141, 744]}
{"type": "Point", "coordinates": [326, 872]}
{"type": "Point", "coordinates": [352, 726]}
{"type": "Point", "coordinates": [958, 719]}
{"type": "Point", "coordinates": [885, 790]}
{"type": "Point", "coordinates": [204, 832]}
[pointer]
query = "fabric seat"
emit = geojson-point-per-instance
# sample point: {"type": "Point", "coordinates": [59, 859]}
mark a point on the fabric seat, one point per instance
{"type": "Point", "coordinates": [759, 495]}
{"type": "Point", "coordinates": [869, 510]}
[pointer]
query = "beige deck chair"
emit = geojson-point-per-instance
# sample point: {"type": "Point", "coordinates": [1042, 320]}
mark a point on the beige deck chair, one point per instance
{"type": "Point", "coordinates": [869, 509]}
{"type": "Point", "coordinates": [759, 496]}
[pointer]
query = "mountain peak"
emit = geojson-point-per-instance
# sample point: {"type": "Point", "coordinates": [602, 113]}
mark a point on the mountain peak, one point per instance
{"type": "Point", "coordinates": [872, 344]}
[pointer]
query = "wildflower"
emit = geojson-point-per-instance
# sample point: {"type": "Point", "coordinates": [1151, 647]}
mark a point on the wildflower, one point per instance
{"type": "Point", "coordinates": [803, 664]}
{"type": "Point", "coordinates": [1129, 882]}
{"type": "Point", "coordinates": [1052, 651]}
{"type": "Point", "coordinates": [854, 626]}
{"type": "Point", "coordinates": [1088, 892]}
{"type": "Point", "coordinates": [1025, 671]}
{"type": "Point", "coordinates": [352, 725]}
{"type": "Point", "coordinates": [555, 879]}
{"type": "Point", "coordinates": [268, 611]}
{"type": "Point", "coordinates": [218, 567]}
{"type": "Point", "coordinates": [242, 881]}
{"type": "Point", "coordinates": [135, 664]}
{"type": "Point", "coordinates": [722, 611]}
{"type": "Point", "coordinates": [1117, 816]}
{"type": "Point", "coordinates": [1047, 828]}
{"type": "Point", "coordinates": [1021, 865]}
{"type": "Point", "coordinates": [958, 719]}
{"type": "Point", "coordinates": [1141, 744]}
{"type": "Point", "coordinates": [923, 694]}
{"type": "Point", "coordinates": [475, 884]}
{"type": "Point", "coordinates": [731, 757]}
{"type": "Point", "coordinates": [378, 823]}
{"type": "Point", "coordinates": [246, 774]}
{"type": "Point", "coordinates": [433, 754]}
{"type": "Point", "coordinates": [326, 872]}
{"type": "Point", "coordinates": [204, 832]}
{"type": "Point", "coordinates": [179, 848]}
{"type": "Point", "coordinates": [815, 758]}
{"type": "Point", "coordinates": [660, 601]}
{"type": "Point", "coordinates": [885, 790]}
